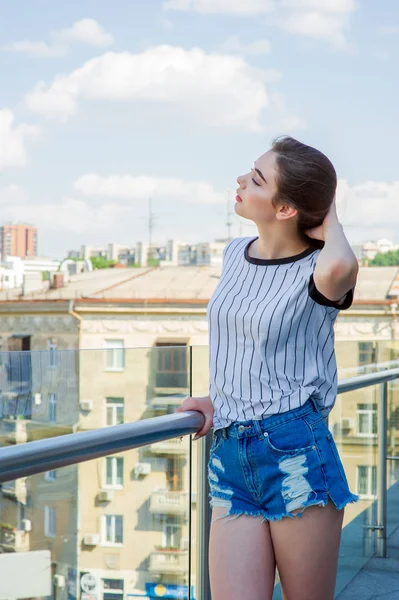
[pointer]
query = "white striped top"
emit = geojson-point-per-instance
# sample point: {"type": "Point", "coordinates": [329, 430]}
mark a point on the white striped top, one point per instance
{"type": "Point", "coordinates": [271, 336]}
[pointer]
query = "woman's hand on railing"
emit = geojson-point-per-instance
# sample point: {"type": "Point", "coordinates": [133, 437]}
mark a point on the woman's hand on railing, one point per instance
{"type": "Point", "coordinates": [203, 405]}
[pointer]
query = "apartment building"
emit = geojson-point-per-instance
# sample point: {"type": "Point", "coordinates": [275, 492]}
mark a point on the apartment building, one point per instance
{"type": "Point", "coordinates": [118, 526]}
{"type": "Point", "coordinates": [17, 239]}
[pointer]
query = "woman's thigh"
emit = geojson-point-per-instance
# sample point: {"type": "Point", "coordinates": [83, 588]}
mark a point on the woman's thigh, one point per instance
{"type": "Point", "coordinates": [306, 550]}
{"type": "Point", "coordinates": [241, 558]}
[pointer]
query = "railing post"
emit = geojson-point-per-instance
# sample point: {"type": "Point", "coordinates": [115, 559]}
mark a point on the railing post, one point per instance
{"type": "Point", "coordinates": [203, 591]}
{"type": "Point", "coordinates": [382, 471]}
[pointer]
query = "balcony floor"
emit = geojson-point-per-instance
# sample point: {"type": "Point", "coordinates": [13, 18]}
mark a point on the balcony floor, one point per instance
{"type": "Point", "coordinates": [379, 578]}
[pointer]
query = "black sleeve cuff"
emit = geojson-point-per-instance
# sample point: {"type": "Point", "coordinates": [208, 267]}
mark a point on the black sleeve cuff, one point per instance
{"type": "Point", "coordinates": [320, 299]}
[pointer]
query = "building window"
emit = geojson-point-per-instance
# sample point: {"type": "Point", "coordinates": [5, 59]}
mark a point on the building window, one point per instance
{"type": "Point", "coordinates": [174, 475]}
{"type": "Point", "coordinates": [112, 529]}
{"type": "Point", "coordinates": [49, 521]}
{"type": "Point", "coordinates": [367, 481]}
{"type": "Point", "coordinates": [171, 365]}
{"type": "Point", "coordinates": [171, 533]}
{"type": "Point", "coordinates": [114, 472]}
{"type": "Point", "coordinates": [113, 589]}
{"type": "Point", "coordinates": [52, 408]}
{"type": "Point", "coordinates": [115, 411]}
{"type": "Point", "coordinates": [367, 353]}
{"type": "Point", "coordinates": [114, 355]}
{"type": "Point", "coordinates": [50, 475]}
{"type": "Point", "coordinates": [52, 349]}
{"type": "Point", "coordinates": [366, 419]}
{"type": "Point", "coordinates": [21, 515]}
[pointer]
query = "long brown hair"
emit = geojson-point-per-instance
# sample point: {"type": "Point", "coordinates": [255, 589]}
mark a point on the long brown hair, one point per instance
{"type": "Point", "coordinates": [306, 179]}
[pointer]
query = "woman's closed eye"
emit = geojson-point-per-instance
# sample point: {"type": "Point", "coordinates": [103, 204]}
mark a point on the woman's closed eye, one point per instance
{"type": "Point", "coordinates": [255, 182]}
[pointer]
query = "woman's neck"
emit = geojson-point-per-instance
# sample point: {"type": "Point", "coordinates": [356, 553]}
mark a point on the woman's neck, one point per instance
{"type": "Point", "coordinates": [271, 249]}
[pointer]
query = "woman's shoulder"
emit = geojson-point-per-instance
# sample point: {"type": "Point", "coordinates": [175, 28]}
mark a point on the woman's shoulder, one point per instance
{"type": "Point", "coordinates": [240, 241]}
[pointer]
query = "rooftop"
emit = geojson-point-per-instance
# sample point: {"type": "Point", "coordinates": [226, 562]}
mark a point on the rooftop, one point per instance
{"type": "Point", "coordinates": [180, 283]}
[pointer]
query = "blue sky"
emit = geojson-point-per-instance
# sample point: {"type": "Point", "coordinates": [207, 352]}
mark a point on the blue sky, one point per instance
{"type": "Point", "coordinates": [103, 105]}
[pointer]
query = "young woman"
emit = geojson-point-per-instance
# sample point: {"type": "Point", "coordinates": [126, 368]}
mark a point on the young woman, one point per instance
{"type": "Point", "coordinates": [277, 485]}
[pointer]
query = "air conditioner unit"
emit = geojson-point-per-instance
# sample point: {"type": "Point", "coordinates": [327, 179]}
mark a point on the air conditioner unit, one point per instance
{"type": "Point", "coordinates": [86, 405]}
{"type": "Point", "coordinates": [142, 468]}
{"type": "Point", "coordinates": [26, 525]}
{"type": "Point", "coordinates": [105, 495]}
{"type": "Point", "coordinates": [347, 423]}
{"type": "Point", "coordinates": [59, 581]}
{"type": "Point", "coordinates": [91, 539]}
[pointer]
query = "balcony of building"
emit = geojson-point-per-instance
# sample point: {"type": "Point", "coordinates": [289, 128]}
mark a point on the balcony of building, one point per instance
{"type": "Point", "coordinates": [168, 503]}
{"type": "Point", "coordinates": [16, 489]}
{"type": "Point", "coordinates": [13, 540]}
{"type": "Point", "coordinates": [175, 446]}
{"type": "Point", "coordinates": [169, 561]}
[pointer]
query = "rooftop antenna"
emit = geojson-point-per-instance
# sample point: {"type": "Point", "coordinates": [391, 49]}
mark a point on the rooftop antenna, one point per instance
{"type": "Point", "coordinates": [151, 220]}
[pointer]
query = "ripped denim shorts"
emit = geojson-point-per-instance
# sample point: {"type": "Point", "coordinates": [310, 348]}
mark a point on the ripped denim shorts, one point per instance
{"type": "Point", "coordinates": [277, 465]}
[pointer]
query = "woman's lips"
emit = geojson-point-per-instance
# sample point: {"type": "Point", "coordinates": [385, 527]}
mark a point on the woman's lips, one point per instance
{"type": "Point", "coordinates": [238, 198]}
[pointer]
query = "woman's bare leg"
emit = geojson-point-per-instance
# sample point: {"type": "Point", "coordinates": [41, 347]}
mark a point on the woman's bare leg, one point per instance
{"type": "Point", "coordinates": [306, 551]}
{"type": "Point", "coordinates": [241, 558]}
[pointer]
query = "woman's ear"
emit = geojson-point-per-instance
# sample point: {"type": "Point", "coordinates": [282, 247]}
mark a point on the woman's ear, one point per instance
{"type": "Point", "coordinates": [285, 211]}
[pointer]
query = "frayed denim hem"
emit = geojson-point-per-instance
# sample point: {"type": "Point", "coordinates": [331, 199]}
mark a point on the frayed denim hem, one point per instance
{"type": "Point", "coordinates": [234, 513]}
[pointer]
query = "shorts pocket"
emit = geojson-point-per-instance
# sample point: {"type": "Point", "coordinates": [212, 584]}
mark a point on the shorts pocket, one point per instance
{"type": "Point", "coordinates": [290, 438]}
{"type": "Point", "coordinates": [217, 440]}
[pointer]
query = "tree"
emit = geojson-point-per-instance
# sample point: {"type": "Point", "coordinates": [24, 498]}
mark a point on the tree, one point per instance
{"type": "Point", "coordinates": [100, 262]}
{"type": "Point", "coordinates": [386, 259]}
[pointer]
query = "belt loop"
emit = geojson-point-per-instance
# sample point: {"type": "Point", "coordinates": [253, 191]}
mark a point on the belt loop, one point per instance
{"type": "Point", "coordinates": [258, 429]}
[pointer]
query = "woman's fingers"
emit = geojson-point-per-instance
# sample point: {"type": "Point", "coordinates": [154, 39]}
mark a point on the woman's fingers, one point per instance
{"type": "Point", "coordinates": [199, 405]}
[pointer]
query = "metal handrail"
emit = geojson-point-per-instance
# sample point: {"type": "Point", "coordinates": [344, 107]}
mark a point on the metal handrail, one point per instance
{"type": "Point", "coordinates": [361, 381]}
{"type": "Point", "coordinates": [23, 460]}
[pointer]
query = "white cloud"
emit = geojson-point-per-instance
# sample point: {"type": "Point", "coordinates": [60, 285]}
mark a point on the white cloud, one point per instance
{"type": "Point", "coordinates": [317, 19]}
{"type": "Point", "coordinates": [220, 90]}
{"type": "Point", "coordinates": [142, 187]}
{"type": "Point", "coordinates": [233, 45]}
{"type": "Point", "coordinates": [235, 7]}
{"type": "Point", "coordinates": [369, 208]}
{"type": "Point", "coordinates": [68, 215]}
{"type": "Point", "coordinates": [318, 25]}
{"type": "Point", "coordinates": [85, 31]}
{"type": "Point", "coordinates": [12, 140]}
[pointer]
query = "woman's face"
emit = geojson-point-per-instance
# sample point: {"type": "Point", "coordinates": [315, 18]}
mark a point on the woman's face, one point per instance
{"type": "Point", "coordinates": [257, 190]}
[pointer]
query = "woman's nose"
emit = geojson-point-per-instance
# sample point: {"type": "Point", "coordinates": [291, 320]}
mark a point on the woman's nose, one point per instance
{"type": "Point", "coordinates": [241, 180]}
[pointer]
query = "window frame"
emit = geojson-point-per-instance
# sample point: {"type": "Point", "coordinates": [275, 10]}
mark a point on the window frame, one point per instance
{"type": "Point", "coordinates": [370, 412]}
{"type": "Point", "coordinates": [114, 485]}
{"type": "Point", "coordinates": [104, 541]}
{"type": "Point", "coordinates": [52, 350]}
{"type": "Point", "coordinates": [49, 477]}
{"type": "Point", "coordinates": [114, 403]}
{"type": "Point", "coordinates": [50, 521]}
{"type": "Point", "coordinates": [178, 363]}
{"type": "Point", "coordinates": [363, 352]}
{"type": "Point", "coordinates": [52, 401]}
{"type": "Point", "coordinates": [174, 525]}
{"type": "Point", "coordinates": [116, 592]}
{"type": "Point", "coordinates": [371, 479]}
{"type": "Point", "coordinates": [108, 349]}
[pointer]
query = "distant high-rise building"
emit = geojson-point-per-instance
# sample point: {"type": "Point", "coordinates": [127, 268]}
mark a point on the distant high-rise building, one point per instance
{"type": "Point", "coordinates": [18, 240]}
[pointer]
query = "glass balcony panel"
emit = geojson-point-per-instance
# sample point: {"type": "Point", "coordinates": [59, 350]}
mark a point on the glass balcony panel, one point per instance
{"type": "Point", "coordinates": [116, 528]}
